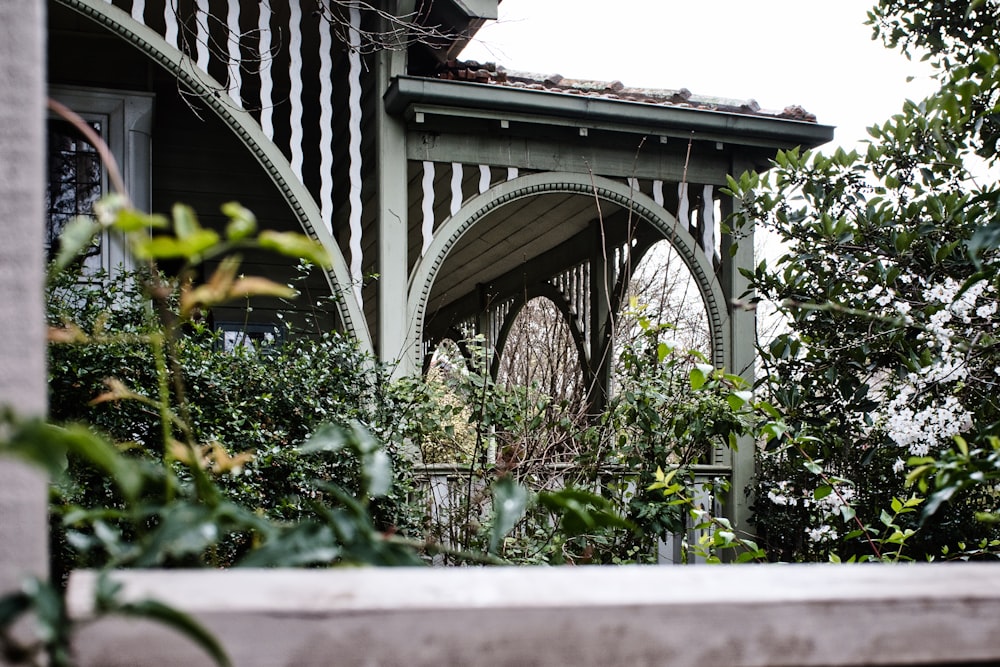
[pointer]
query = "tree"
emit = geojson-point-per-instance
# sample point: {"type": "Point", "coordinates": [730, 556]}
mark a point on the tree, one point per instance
{"type": "Point", "coordinates": [889, 285]}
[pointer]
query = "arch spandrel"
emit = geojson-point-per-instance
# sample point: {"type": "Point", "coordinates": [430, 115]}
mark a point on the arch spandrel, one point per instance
{"type": "Point", "coordinates": [249, 132]}
{"type": "Point", "coordinates": [477, 208]}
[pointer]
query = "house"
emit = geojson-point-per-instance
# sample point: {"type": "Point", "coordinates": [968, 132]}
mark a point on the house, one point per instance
{"type": "Point", "coordinates": [466, 189]}
{"type": "Point", "coordinates": [788, 615]}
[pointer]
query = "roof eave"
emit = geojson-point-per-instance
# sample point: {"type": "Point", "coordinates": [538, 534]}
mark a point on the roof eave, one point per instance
{"type": "Point", "coordinates": [405, 92]}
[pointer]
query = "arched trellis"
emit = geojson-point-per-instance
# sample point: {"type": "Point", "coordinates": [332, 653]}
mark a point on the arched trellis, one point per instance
{"type": "Point", "coordinates": [248, 130]}
{"type": "Point", "coordinates": [643, 207]}
{"type": "Point", "coordinates": [558, 299]}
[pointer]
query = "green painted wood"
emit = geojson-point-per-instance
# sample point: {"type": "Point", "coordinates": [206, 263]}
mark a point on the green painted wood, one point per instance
{"type": "Point", "coordinates": [392, 216]}
{"type": "Point", "coordinates": [636, 157]}
{"type": "Point", "coordinates": [411, 95]}
{"type": "Point", "coordinates": [741, 341]}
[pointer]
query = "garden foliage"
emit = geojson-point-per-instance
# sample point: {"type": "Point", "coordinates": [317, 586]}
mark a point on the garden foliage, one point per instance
{"type": "Point", "coordinates": [887, 374]}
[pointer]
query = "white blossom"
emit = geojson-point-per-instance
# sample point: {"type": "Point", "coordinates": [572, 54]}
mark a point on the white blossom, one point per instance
{"type": "Point", "coordinates": [824, 533]}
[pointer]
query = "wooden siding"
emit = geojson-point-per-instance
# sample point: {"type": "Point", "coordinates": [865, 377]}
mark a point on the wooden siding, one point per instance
{"type": "Point", "coordinates": [197, 160]}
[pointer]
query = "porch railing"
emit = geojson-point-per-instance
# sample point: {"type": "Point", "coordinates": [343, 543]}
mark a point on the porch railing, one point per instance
{"type": "Point", "coordinates": [447, 490]}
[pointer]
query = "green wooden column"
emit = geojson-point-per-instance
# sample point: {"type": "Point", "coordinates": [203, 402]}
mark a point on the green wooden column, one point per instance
{"type": "Point", "coordinates": [740, 349]}
{"type": "Point", "coordinates": [602, 282]}
{"type": "Point", "coordinates": [392, 337]}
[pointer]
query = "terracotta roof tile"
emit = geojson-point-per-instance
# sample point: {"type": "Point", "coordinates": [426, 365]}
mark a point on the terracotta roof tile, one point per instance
{"type": "Point", "coordinates": [490, 73]}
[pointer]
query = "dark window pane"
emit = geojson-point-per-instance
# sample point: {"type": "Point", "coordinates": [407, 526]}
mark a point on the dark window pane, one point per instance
{"type": "Point", "coordinates": [75, 181]}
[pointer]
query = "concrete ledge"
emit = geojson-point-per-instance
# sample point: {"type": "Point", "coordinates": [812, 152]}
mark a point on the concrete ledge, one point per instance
{"type": "Point", "coordinates": [699, 615]}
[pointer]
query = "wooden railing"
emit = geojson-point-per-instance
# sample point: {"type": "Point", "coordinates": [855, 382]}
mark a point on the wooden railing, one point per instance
{"type": "Point", "coordinates": [445, 490]}
{"type": "Point", "coordinates": [703, 615]}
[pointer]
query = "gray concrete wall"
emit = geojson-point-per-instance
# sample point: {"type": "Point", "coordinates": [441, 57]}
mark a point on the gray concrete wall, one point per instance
{"type": "Point", "coordinates": [23, 524]}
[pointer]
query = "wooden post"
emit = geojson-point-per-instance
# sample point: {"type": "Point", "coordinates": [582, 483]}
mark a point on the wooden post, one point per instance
{"type": "Point", "coordinates": [23, 524]}
{"type": "Point", "coordinates": [740, 350]}
{"type": "Point", "coordinates": [393, 328]}
{"type": "Point", "coordinates": [602, 280]}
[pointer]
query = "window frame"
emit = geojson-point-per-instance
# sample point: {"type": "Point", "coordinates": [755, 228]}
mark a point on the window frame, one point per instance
{"type": "Point", "coordinates": [128, 123]}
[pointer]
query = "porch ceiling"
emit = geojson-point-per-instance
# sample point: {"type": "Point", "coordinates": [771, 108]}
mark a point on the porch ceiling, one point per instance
{"type": "Point", "coordinates": [510, 237]}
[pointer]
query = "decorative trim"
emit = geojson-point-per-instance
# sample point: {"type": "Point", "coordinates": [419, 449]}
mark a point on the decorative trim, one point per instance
{"type": "Point", "coordinates": [354, 151]}
{"type": "Point", "coordinates": [708, 221]}
{"type": "Point", "coordinates": [295, 88]}
{"type": "Point", "coordinates": [264, 70]}
{"type": "Point", "coordinates": [683, 206]}
{"type": "Point", "coordinates": [427, 207]}
{"type": "Point", "coordinates": [457, 173]}
{"type": "Point", "coordinates": [201, 43]}
{"type": "Point", "coordinates": [235, 80]}
{"type": "Point", "coordinates": [325, 125]}
{"type": "Point", "coordinates": [485, 178]}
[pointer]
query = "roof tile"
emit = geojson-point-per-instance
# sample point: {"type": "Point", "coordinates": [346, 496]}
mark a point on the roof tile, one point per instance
{"type": "Point", "coordinates": [492, 74]}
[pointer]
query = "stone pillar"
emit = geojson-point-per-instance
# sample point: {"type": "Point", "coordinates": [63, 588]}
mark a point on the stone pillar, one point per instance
{"type": "Point", "coordinates": [23, 498]}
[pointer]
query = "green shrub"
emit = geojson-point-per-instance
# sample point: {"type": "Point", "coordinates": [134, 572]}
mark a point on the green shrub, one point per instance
{"type": "Point", "coordinates": [258, 403]}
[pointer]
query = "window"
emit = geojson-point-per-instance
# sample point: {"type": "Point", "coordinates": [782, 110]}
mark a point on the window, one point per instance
{"type": "Point", "coordinates": [76, 176]}
{"type": "Point", "coordinates": [251, 335]}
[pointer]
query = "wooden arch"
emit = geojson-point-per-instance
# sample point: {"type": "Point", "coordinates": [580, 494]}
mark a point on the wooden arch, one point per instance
{"type": "Point", "coordinates": [642, 206]}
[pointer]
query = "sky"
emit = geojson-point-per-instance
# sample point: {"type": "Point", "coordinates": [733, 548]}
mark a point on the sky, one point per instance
{"type": "Point", "coordinates": [814, 53]}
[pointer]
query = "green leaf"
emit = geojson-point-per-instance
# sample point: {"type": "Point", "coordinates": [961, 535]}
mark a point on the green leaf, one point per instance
{"type": "Point", "coordinates": [822, 492]}
{"type": "Point", "coordinates": [306, 543]}
{"type": "Point", "coordinates": [510, 502]}
{"type": "Point", "coordinates": [47, 445]}
{"type": "Point", "coordinates": [936, 500]}
{"type": "Point", "coordinates": [738, 399]}
{"type": "Point", "coordinates": [376, 468]}
{"type": "Point", "coordinates": [296, 245]}
{"type": "Point", "coordinates": [242, 222]}
{"type": "Point", "coordinates": [326, 438]}
{"type": "Point", "coordinates": [78, 234]}
{"type": "Point", "coordinates": [129, 221]}
{"type": "Point", "coordinates": [185, 529]}
{"type": "Point", "coordinates": [168, 247]}
{"type": "Point", "coordinates": [185, 222]}
{"type": "Point", "coordinates": [179, 621]}
{"type": "Point", "coordinates": [12, 606]}
{"type": "Point", "coordinates": [49, 612]}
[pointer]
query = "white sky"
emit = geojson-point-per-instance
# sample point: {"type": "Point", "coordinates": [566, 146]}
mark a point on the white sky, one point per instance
{"type": "Point", "coordinates": [814, 53]}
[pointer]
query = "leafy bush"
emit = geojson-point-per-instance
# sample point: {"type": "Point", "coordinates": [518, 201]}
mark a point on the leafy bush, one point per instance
{"type": "Point", "coordinates": [889, 283]}
{"type": "Point", "coordinates": [253, 407]}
